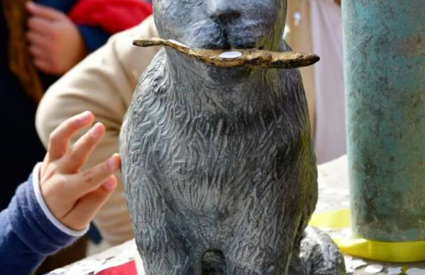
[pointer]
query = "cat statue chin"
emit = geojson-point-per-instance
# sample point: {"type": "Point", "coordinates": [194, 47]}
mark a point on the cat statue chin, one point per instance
{"type": "Point", "coordinates": [218, 163]}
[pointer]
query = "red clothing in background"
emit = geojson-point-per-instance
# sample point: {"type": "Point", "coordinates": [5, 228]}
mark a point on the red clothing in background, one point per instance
{"type": "Point", "coordinates": [111, 15]}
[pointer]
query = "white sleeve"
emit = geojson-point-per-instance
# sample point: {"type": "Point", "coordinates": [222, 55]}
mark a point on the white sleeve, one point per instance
{"type": "Point", "coordinates": [49, 215]}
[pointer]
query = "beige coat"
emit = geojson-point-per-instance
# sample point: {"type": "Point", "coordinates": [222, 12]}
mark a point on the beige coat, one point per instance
{"type": "Point", "coordinates": [103, 83]}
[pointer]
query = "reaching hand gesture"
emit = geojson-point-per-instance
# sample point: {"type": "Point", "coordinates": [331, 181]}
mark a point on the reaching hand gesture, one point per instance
{"type": "Point", "coordinates": [74, 196]}
{"type": "Point", "coordinates": [55, 42]}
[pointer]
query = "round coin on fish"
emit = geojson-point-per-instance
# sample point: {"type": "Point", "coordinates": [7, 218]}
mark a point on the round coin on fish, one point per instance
{"type": "Point", "coordinates": [230, 55]}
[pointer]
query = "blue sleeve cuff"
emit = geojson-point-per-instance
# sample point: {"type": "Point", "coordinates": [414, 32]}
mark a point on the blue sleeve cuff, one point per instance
{"type": "Point", "coordinates": [45, 208]}
{"type": "Point", "coordinates": [32, 226]}
{"type": "Point", "coordinates": [94, 37]}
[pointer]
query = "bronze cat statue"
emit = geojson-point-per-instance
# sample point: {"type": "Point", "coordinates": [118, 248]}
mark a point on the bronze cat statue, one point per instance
{"type": "Point", "coordinates": [218, 163]}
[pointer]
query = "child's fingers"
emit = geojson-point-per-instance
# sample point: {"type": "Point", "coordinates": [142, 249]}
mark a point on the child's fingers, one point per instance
{"type": "Point", "coordinates": [89, 180]}
{"type": "Point", "coordinates": [80, 151]}
{"type": "Point", "coordinates": [88, 205]}
{"type": "Point", "coordinates": [60, 137]}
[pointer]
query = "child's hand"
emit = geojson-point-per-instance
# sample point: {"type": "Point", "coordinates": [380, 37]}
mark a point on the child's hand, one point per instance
{"type": "Point", "coordinates": [74, 196]}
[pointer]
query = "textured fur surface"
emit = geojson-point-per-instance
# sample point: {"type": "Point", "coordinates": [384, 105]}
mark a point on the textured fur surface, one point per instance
{"type": "Point", "coordinates": [218, 164]}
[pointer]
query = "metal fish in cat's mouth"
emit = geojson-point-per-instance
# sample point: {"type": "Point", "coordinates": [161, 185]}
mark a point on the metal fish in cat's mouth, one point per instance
{"type": "Point", "coordinates": [237, 57]}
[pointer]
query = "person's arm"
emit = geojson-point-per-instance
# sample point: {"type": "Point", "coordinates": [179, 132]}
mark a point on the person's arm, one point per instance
{"type": "Point", "coordinates": [26, 234]}
{"type": "Point", "coordinates": [102, 83]}
{"type": "Point", "coordinates": [58, 202]}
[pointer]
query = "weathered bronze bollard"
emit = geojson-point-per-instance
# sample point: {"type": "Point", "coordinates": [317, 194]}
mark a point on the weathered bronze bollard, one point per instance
{"type": "Point", "coordinates": [385, 80]}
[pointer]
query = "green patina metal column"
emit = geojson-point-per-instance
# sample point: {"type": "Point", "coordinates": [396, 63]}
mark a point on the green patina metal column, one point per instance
{"type": "Point", "coordinates": [384, 43]}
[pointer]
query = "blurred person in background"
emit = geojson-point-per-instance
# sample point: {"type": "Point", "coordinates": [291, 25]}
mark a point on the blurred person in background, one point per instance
{"type": "Point", "coordinates": [330, 135]}
{"type": "Point", "coordinates": [41, 40]}
{"type": "Point", "coordinates": [316, 26]}
{"type": "Point", "coordinates": [40, 43]}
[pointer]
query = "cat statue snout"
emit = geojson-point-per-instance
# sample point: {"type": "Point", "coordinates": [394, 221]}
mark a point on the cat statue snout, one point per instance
{"type": "Point", "coordinates": [223, 12]}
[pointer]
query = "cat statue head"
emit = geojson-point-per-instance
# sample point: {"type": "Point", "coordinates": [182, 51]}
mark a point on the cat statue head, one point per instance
{"type": "Point", "coordinates": [223, 25]}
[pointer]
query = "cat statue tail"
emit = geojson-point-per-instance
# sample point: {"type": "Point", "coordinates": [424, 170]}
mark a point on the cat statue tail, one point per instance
{"type": "Point", "coordinates": [319, 255]}
{"type": "Point", "coordinates": [209, 262]}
